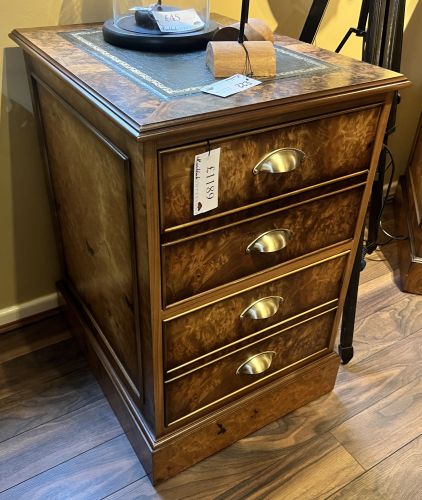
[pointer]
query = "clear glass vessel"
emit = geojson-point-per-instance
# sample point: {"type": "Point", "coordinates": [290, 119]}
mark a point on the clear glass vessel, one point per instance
{"type": "Point", "coordinates": [163, 17]}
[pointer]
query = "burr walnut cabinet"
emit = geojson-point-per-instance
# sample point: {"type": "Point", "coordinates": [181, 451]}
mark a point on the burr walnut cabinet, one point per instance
{"type": "Point", "coordinates": [202, 329]}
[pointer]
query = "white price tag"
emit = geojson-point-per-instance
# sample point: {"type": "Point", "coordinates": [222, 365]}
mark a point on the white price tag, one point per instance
{"type": "Point", "coordinates": [205, 181]}
{"type": "Point", "coordinates": [230, 86]}
{"type": "Point", "coordinates": [178, 21]}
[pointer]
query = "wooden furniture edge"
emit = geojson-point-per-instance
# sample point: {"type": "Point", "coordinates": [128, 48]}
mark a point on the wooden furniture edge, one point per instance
{"type": "Point", "coordinates": [417, 204]}
{"type": "Point", "coordinates": [146, 131]}
{"type": "Point", "coordinates": [104, 105]}
{"type": "Point", "coordinates": [409, 263]}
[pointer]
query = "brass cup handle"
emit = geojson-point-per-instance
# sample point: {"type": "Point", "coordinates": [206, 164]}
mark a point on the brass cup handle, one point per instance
{"type": "Point", "coordinates": [256, 364]}
{"type": "Point", "coordinates": [263, 308]}
{"type": "Point", "coordinates": [280, 161]}
{"type": "Point", "coordinates": [271, 241]}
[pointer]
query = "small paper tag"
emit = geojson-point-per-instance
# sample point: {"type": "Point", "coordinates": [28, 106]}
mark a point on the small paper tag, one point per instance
{"type": "Point", "coordinates": [205, 181]}
{"type": "Point", "coordinates": [230, 86]}
{"type": "Point", "coordinates": [178, 21]}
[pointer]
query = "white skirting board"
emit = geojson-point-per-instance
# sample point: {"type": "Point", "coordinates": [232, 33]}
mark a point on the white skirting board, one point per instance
{"type": "Point", "coordinates": [27, 309]}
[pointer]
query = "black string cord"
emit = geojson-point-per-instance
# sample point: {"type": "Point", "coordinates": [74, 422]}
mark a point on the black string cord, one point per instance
{"type": "Point", "coordinates": [392, 237]}
{"type": "Point", "coordinates": [247, 70]}
{"type": "Point", "coordinates": [244, 18]}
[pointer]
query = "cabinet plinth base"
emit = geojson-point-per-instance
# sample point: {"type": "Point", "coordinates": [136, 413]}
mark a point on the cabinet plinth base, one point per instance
{"type": "Point", "coordinates": [166, 456]}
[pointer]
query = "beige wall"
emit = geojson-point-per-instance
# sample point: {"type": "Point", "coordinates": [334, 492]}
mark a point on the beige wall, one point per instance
{"type": "Point", "coordinates": [28, 263]}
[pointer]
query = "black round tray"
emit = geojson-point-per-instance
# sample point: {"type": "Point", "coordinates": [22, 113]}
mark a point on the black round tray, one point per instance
{"type": "Point", "coordinates": [181, 42]}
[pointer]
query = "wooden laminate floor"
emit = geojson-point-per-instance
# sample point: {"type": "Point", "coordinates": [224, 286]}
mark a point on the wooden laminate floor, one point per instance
{"type": "Point", "coordinates": [60, 439]}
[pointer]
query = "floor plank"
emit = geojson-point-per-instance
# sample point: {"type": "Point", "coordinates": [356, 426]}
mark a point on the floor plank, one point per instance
{"type": "Point", "coordinates": [49, 363]}
{"type": "Point", "coordinates": [376, 377]}
{"type": "Point", "coordinates": [52, 443]}
{"type": "Point", "coordinates": [386, 426]}
{"type": "Point", "coordinates": [139, 490]}
{"type": "Point", "coordinates": [33, 337]}
{"type": "Point", "coordinates": [314, 474]}
{"type": "Point", "coordinates": [48, 400]}
{"type": "Point", "coordinates": [89, 476]}
{"type": "Point", "coordinates": [387, 326]}
{"type": "Point", "coordinates": [397, 477]}
{"type": "Point", "coordinates": [377, 294]}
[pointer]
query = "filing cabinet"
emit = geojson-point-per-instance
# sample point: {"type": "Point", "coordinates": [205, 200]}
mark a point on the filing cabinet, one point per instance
{"type": "Point", "coordinates": [202, 329]}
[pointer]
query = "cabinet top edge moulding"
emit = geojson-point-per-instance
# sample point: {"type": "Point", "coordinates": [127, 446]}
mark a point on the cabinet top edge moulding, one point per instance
{"type": "Point", "coordinates": [156, 108]}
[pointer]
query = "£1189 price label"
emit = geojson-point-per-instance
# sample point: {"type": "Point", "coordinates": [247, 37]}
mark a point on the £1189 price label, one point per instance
{"type": "Point", "coordinates": [205, 181]}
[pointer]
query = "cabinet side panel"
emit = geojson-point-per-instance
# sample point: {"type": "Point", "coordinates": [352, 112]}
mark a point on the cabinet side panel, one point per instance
{"type": "Point", "coordinates": [90, 185]}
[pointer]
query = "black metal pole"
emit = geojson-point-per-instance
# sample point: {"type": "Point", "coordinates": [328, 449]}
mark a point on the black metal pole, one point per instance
{"type": "Point", "coordinates": [363, 16]}
{"type": "Point", "coordinates": [376, 32]}
{"type": "Point", "coordinates": [313, 20]}
{"type": "Point", "coordinates": [345, 348]}
{"type": "Point", "coordinates": [244, 18]}
{"type": "Point", "coordinates": [383, 47]}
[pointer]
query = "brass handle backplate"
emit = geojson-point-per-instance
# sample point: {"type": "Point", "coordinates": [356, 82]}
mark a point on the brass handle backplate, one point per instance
{"type": "Point", "coordinates": [280, 161]}
{"type": "Point", "coordinates": [256, 364]}
{"type": "Point", "coordinates": [263, 308]}
{"type": "Point", "coordinates": [271, 241]}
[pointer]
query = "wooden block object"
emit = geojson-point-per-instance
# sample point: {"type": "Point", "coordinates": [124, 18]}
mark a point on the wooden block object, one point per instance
{"type": "Point", "coordinates": [256, 30]}
{"type": "Point", "coordinates": [229, 58]}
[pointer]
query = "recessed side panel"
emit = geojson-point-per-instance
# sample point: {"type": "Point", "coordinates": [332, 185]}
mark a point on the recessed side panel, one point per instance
{"type": "Point", "coordinates": [90, 182]}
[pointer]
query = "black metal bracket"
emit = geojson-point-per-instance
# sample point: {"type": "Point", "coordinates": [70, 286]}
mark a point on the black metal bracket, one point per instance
{"type": "Point", "coordinates": [345, 347]}
{"type": "Point", "coordinates": [352, 31]}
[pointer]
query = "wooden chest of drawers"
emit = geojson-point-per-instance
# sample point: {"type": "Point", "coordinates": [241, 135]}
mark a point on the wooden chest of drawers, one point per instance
{"type": "Point", "coordinates": [202, 329]}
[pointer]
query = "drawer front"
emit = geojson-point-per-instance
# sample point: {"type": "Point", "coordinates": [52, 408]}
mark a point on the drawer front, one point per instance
{"type": "Point", "coordinates": [334, 147]}
{"type": "Point", "coordinates": [204, 262]}
{"type": "Point", "coordinates": [210, 328]}
{"type": "Point", "coordinates": [212, 384]}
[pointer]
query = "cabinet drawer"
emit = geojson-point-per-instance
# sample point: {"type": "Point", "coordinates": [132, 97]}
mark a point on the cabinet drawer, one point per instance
{"type": "Point", "coordinates": [215, 382]}
{"type": "Point", "coordinates": [192, 336]}
{"type": "Point", "coordinates": [202, 262]}
{"type": "Point", "coordinates": [334, 147]}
